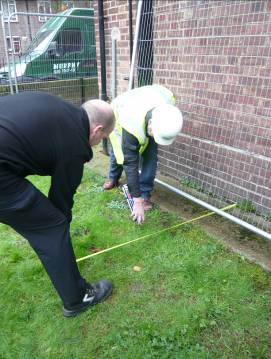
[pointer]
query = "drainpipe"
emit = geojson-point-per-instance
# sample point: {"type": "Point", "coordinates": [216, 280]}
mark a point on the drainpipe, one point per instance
{"type": "Point", "coordinates": [226, 215]}
{"type": "Point", "coordinates": [102, 61]}
{"type": "Point", "coordinates": [28, 21]}
{"type": "Point", "coordinates": [115, 36]}
{"type": "Point", "coordinates": [130, 29]}
{"type": "Point", "coordinates": [102, 50]}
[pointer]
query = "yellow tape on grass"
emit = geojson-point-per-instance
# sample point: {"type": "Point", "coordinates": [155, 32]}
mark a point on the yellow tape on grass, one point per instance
{"type": "Point", "coordinates": [153, 234]}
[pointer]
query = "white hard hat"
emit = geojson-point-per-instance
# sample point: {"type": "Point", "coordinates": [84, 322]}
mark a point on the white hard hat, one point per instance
{"type": "Point", "coordinates": [166, 122]}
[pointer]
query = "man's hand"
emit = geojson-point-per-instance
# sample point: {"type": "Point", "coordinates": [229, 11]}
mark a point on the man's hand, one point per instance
{"type": "Point", "coordinates": [138, 210]}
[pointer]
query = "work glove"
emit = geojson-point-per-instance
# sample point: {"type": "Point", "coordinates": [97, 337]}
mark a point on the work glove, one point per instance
{"type": "Point", "coordinates": [138, 210]}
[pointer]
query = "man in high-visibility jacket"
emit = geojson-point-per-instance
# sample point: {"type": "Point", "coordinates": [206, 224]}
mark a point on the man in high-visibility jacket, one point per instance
{"type": "Point", "coordinates": [145, 117]}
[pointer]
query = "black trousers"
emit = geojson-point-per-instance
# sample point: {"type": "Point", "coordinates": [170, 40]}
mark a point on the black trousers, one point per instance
{"type": "Point", "coordinates": [33, 216]}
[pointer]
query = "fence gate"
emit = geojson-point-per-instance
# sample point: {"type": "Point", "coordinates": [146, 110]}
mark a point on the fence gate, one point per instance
{"type": "Point", "coordinates": [59, 57]}
{"type": "Point", "coordinates": [216, 58]}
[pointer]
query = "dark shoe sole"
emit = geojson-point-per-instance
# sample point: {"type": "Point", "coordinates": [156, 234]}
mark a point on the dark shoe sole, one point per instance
{"type": "Point", "coordinates": [73, 313]}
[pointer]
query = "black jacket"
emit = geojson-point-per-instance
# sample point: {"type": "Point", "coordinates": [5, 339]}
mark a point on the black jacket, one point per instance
{"type": "Point", "coordinates": [44, 135]}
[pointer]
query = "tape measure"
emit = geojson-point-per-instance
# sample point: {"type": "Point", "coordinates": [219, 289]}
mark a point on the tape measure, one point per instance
{"type": "Point", "coordinates": [128, 197]}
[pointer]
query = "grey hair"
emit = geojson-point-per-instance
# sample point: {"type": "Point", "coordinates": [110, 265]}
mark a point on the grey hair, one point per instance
{"type": "Point", "coordinates": [99, 113]}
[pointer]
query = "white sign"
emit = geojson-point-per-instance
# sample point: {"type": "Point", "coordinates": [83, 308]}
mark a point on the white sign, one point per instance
{"type": "Point", "coordinates": [115, 33]}
{"type": "Point", "coordinates": [65, 67]}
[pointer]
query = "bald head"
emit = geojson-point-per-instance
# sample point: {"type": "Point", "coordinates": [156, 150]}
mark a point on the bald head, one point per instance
{"type": "Point", "coordinates": [101, 120]}
{"type": "Point", "coordinates": [100, 113]}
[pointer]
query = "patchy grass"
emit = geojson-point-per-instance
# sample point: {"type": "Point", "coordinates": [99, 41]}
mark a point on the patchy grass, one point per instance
{"type": "Point", "coordinates": [246, 205]}
{"type": "Point", "coordinates": [191, 299]}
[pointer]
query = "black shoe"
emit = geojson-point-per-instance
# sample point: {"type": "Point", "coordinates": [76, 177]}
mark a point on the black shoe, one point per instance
{"type": "Point", "coordinates": [95, 293]}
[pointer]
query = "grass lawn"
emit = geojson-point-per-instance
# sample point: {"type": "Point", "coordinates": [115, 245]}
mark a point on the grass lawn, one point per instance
{"type": "Point", "coordinates": [192, 298]}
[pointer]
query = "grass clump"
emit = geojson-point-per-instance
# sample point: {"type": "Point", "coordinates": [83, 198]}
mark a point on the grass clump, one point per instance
{"type": "Point", "coordinates": [191, 299]}
{"type": "Point", "coordinates": [247, 206]}
{"type": "Point", "coordinates": [187, 182]}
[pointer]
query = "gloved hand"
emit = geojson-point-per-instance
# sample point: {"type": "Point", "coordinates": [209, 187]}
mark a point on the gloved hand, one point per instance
{"type": "Point", "coordinates": [138, 210]}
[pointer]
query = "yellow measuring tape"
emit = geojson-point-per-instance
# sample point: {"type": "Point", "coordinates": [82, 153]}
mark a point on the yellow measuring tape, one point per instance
{"type": "Point", "coordinates": [155, 233]}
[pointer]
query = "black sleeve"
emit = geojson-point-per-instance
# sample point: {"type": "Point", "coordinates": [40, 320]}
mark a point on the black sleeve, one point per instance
{"type": "Point", "coordinates": [64, 182]}
{"type": "Point", "coordinates": [130, 149]}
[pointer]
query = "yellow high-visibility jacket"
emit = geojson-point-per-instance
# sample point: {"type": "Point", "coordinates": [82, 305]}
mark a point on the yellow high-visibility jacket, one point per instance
{"type": "Point", "coordinates": [130, 110]}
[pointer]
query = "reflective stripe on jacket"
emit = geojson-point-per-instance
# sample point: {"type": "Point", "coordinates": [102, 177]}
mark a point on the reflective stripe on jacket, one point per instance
{"type": "Point", "coordinates": [130, 110]}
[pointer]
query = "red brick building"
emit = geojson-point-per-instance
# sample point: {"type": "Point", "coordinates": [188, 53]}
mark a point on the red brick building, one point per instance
{"type": "Point", "coordinates": [216, 57]}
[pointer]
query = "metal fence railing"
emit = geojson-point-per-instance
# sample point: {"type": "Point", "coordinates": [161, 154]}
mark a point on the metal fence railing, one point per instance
{"type": "Point", "coordinates": [215, 56]}
{"type": "Point", "coordinates": [58, 57]}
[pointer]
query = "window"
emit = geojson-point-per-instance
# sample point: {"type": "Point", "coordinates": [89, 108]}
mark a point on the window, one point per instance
{"type": "Point", "coordinates": [16, 40]}
{"type": "Point", "coordinates": [8, 7]}
{"type": "Point", "coordinates": [69, 41]}
{"type": "Point", "coordinates": [44, 7]}
{"type": "Point", "coordinates": [37, 41]}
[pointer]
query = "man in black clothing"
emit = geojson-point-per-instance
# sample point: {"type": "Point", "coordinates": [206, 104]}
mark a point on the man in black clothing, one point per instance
{"type": "Point", "coordinates": [45, 135]}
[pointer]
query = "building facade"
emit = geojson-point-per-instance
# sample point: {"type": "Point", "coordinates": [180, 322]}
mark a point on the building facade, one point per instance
{"type": "Point", "coordinates": [215, 56]}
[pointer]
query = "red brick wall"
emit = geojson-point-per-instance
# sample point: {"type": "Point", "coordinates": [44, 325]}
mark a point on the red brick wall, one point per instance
{"type": "Point", "coordinates": [215, 56]}
{"type": "Point", "coordinates": [116, 15]}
